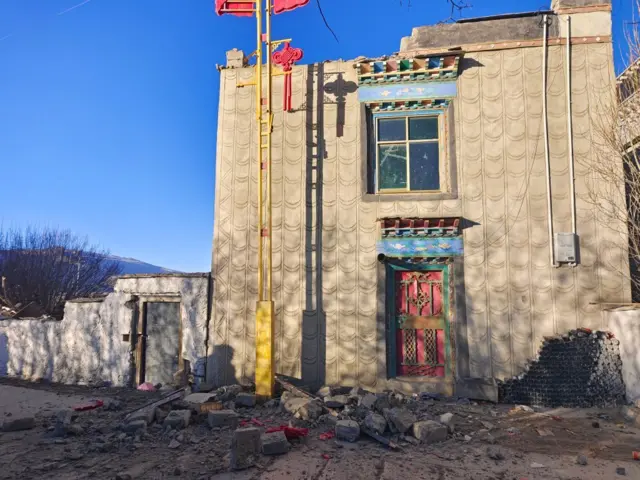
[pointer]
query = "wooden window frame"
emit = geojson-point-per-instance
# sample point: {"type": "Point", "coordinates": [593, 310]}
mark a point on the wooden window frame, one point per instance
{"type": "Point", "coordinates": [406, 116]}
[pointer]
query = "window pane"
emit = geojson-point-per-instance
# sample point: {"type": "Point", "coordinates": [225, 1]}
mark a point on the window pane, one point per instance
{"type": "Point", "coordinates": [392, 129]}
{"type": "Point", "coordinates": [425, 166]}
{"type": "Point", "coordinates": [423, 128]}
{"type": "Point", "coordinates": [393, 167]}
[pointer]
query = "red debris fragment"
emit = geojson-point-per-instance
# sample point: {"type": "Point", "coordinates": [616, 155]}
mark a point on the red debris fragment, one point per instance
{"type": "Point", "coordinates": [290, 432]}
{"type": "Point", "coordinates": [88, 406]}
{"type": "Point", "coordinates": [327, 435]}
{"type": "Point", "coordinates": [557, 418]}
{"type": "Point", "coordinates": [326, 457]}
{"type": "Point", "coordinates": [257, 422]}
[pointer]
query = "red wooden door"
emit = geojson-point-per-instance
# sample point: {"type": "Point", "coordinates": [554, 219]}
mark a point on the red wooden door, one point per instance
{"type": "Point", "coordinates": [420, 316]}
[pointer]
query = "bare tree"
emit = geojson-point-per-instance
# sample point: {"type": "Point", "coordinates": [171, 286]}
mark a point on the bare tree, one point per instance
{"type": "Point", "coordinates": [47, 267]}
{"type": "Point", "coordinates": [615, 171]}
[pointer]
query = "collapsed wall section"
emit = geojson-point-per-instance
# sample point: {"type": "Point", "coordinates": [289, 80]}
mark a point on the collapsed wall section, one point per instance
{"type": "Point", "coordinates": [579, 369]}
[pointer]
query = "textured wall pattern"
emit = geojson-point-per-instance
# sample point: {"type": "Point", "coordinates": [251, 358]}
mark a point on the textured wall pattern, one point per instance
{"type": "Point", "coordinates": [325, 228]}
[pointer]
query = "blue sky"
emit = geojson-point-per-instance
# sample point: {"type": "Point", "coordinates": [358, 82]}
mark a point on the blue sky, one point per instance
{"type": "Point", "coordinates": [108, 110]}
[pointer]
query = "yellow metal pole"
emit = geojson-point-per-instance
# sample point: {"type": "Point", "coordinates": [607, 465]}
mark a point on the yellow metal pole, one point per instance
{"type": "Point", "coordinates": [258, 80]}
{"type": "Point", "coordinates": [270, 129]}
{"type": "Point", "coordinates": [264, 311]}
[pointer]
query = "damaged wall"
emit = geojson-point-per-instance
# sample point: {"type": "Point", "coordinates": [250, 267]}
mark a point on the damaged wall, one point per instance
{"type": "Point", "coordinates": [87, 345]}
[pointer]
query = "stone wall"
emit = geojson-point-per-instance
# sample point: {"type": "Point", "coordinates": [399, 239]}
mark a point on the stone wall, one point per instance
{"type": "Point", "coordinates": [88, 345]}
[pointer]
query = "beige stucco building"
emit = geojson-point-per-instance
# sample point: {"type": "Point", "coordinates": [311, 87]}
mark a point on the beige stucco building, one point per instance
{"type": "Point", "coordinates": [412, 243]}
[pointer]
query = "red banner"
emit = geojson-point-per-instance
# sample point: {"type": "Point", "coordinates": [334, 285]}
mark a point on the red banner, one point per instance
{"type": "Point", "coordinates": [280, 6]}
{"type": "Point", "coordinates": [228, 7]}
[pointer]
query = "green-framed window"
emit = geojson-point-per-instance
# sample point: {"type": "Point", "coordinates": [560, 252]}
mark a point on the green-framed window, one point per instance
{"type": "Point", "coordinates": [408, 151]}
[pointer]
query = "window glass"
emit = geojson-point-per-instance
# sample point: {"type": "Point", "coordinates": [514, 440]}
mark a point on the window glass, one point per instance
{"type": "Point", "coordinates": [424, 166]}
{"type": "Point", "coordinates": [392, 129]}
{"type": "Point", "coordinates": [423, 128]}
{"type": "Point", "coordinates": [393, 166]}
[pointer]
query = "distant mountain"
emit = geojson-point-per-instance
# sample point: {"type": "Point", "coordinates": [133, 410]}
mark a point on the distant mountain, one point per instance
{"type": "Point", "coordinates": [131, 266]}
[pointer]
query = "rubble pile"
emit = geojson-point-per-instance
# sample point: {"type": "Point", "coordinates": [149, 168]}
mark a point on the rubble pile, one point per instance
{"type": "Point", "coordinates": [579, 369]}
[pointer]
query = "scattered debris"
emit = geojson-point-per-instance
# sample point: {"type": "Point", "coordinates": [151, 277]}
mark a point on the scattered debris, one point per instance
{"type": "Point", "coordinates": [17, 424]}
{"type": "Point", "coordinates": [429, 431]}
{"type": "Point", "coordinates": [291, 433]}
{"type": "Point", "coordinates": [88, 406]}
{"type": "Point", "coordinates": [178, 419]}
{"type": "Point", "coordinates": [495, 454]}
{"type": "Point", "coordinates": [537, 465]}
{"type": "Point", "coordinates": [544, 432]}
{"type": "Point", "coordinates": [582, 460]}
{"type": "Point", "coordinates": [274, 443]}
{"type": "Point", "coordinates": [327, 435]}
{"type": "Point", "coordinates": [347, 430]}
{"type": "Point", "coordinates": [245, 448]}
{"type": "Point", "coordinates": [621, 471]}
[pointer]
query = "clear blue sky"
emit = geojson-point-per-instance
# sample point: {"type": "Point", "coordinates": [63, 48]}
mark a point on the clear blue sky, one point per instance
{"type": "Point", "coordinates": [108, 110]}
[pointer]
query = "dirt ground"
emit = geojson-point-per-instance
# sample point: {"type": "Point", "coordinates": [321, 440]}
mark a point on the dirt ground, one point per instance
{"type": "Point", "coordinates": [492, 443]}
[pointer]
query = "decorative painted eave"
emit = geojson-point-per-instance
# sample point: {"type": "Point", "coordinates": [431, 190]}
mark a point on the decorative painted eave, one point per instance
{"type": "Point", "coordinates": [420, 238]}
{"type": "Point", "coordinates": [419, 227]}
{"type": "Point", "coordinates": [420, 68]}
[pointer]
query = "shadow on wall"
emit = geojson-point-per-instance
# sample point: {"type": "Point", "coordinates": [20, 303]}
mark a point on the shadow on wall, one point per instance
{"type": "Point", "coordinates": [221, 364]}
{"type": "Point", "coordinates": [4, 354]}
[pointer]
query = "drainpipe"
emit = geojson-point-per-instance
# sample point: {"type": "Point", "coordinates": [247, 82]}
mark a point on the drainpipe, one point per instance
{"type": "Point", "coordinates": [545, 46]}
{"type": "Point", "coordinates": [574, 221]}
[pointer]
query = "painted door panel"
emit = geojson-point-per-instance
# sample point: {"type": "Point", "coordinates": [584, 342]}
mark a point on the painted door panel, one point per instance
{"type": "Point", "coordinates": [162, 342]}
{"type": "Point", "coordinates": [420, 315]}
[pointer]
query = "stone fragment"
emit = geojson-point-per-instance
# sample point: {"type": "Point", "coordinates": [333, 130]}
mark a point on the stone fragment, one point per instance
{"type": "Point", "coordinates": [337, 401]}
{"type": "Point", "coordinates": [75, 429]}
{"type": "Point", "coordinates": [205, 387]}
{"type": "Point", "coordinates": [228, 393]}
{"type": "Point", "coordinates": [428, 431]}
{"type": "Point", "coordinates": [173, 444]}
{"type": "Point", "coordinates": [112, 405]}
{"type": "Point", "coordinates": [621, 471]}
{"type": "Point", "coordinates": [199, 398]}
{"type": "Point", "coordinates": [303, 408]}
{"type": "Point", "coordinates": [17, 424]}
{"type": "Point", "coordinates": [160, 415]}
{"type": "Point", "coordinates": [581, 460]}
{"type": "Point", "coordinates": [222, 418]}
{"type": "Point", "coordinates": [275, 443]}
{"type": "Point", "coordinates": [375, 422]}
{"type": "Point", "coordinates": [245, 448]}
{"type": "Point", "coordinates": [324, 392]}
{"type": "Point", "coordinates": [495, 454]}
{"type": "Point", "coordinates": [245, 400]}
{"type": "Point", "coordinates": [134, 427]}
{"type": "Point", "coordinates": [178, 419]}
{"type": "Point", "coordinates": [368, 401]}
{"type": "Point", "coordinates": [448, 419]}
{"type": "Point", "coordinates": [347, 430]}
{"type": "Point", "coordinates": [328, 419]}
{"type": "Point", "coordinates": [146, 414]}
{"type": "Point", "coordinates": [400, 420]}
{"type": "Point", "coordinates": [382, 403]}
{"type": "Point", "coordinates": [537, 465]}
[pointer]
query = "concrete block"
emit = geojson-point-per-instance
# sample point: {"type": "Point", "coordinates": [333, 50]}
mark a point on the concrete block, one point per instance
{"type": "Point", "coordinates": [368, 401]}
{"type": "Point", "coordinates": [428, 431]}
{"type": "Point", "coordinates": [375, 423]}
{"type": "Point", "coordinates": [275, 443]}
{"type": "Point", "coordinates": [178, 419]}
{"type": "Point", "coordinates": [245, 400]}
{"type": "Point", "coordinates": [400, 419]}
{"type": "Point", "coordinates": [222, 418]}
{"type": "Point", "coordinates": [146, 414]}
{"type": "Point", "coordinates": [303, 408]}
{"type": "Point", "coordinates": [198, 398]}
{"type": "Point", "coordinates": [16, 424]}
{"type": "Point", "coordinates": [337, 401]}
{"type": "Point", "coordinates": [137, 426]}
{"type": "Point", "coordinates": [245, 448]}
{"type": "Point", "coordinates": [348, 430]}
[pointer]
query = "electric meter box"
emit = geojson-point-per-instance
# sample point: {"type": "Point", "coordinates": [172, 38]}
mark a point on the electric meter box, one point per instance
{"type": "Point", "coordinates": [566, 248]}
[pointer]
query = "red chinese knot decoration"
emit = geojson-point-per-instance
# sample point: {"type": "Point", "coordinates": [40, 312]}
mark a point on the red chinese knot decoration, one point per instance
{"type": "Point", "coordinates": [285, 58]}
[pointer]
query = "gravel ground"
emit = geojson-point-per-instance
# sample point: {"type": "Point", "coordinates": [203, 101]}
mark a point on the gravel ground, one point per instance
{"type": "Point", "coordinates": [517, 450]}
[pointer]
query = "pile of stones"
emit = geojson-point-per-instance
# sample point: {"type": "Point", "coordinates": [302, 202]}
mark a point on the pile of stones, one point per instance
{"type": "Point", "coordinates": [579, 369]}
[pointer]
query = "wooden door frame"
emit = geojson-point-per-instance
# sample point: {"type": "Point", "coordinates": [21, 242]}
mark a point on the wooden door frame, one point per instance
{"type": "Point", "coordinates": [140, 341]}
{"type": "Point", "coordinates": [390, 302]}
